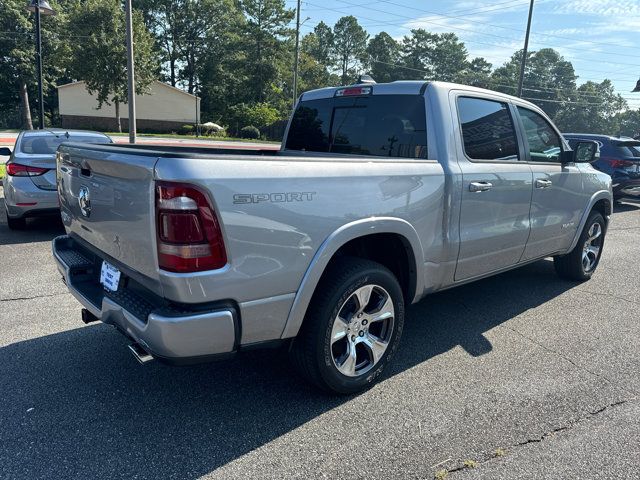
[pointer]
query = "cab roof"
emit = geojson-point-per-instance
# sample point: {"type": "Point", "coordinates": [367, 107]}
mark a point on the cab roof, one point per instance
{"type": "Point", "coordinates": [409, 87]}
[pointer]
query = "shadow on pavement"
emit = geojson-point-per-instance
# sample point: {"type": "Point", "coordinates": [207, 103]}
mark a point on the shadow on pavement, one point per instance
{"type": "Point", "coordinates": [98, 414]}
{"type": "Point", "coordinates": [38, 229]}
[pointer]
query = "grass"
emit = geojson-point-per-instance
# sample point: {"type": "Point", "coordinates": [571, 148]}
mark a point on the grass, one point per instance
{"type": "Point", "coordinates": [500, 452]}
{"type": "Point", "coordinates": [191, 137]}
{"type": "Point", "coordinates": [470, 464]}
{"type": "Point", "coordinates": [441, 474]}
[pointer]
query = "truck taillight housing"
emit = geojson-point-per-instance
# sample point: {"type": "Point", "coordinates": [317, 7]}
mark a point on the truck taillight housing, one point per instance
{"type": "Point", "coordinates": [188, 232]}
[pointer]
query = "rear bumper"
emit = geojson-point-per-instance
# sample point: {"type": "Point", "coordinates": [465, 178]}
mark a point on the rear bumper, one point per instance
{"type": "Point", "coordinates": [24, 199]}
{"type": "Point", "coordinates": [177, 334]}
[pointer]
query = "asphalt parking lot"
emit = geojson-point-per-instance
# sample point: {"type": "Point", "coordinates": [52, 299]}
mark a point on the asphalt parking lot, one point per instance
{"type": "Point", "coordinates": [520, 376]}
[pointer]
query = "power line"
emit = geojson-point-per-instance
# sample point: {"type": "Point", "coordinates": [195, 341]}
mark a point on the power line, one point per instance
{"type": "Point", "coordinates": [502, 26]}
{"type": "Point", "coordinates": [487, 34]}
{"type": "Point", "coordinates": [477, 31]}
{"type": "Point", "coordinates": [539, 89]}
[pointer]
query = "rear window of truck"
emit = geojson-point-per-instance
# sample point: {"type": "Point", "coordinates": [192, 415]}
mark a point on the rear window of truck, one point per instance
{"type": "Point", "coordinates": [378, 125]}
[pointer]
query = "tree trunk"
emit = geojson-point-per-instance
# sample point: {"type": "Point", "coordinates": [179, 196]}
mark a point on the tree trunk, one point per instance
{"type": "Point", "coordinates": [118, 122]}
{"type": "Point", "coordinates": [172, 69]}
{"type": "Point", "coordinates": [26, 122]}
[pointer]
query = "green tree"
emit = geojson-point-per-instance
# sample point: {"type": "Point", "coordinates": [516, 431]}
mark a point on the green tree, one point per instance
{"type": "Point", "coordinates": [628, 123]}
{"type": "Point", "coordinates": [321, 44]}
{"type": "Point", "coordinates": [165, 19]}
{"type": "Point", "coordinates": [435, 56]}
{"type": "Point", "coordinates": [256, 115]}
{"type": "Point", "coordinates": [317, 59]}
{"type": "Point", "coordinates": [477, 73]}
{"type": "Point", "coordinates": [188, 30]}
{"type": "Point", "coordinates": [350, 43]}
{"type": "Point", "coordinates": [549, 79]}
{"type": "Point", "coordinates": [383, 58]}
{"type": "Point", "coordinates": [18, 59]}
{"type": "Point", "coordinates": [593, 109]}
{"type": "Point", "coordinates": [102, 61]}
{"type": "Point", "coordinates": [265, 37]}
{"type": "Point", "coordinates": [312, 72]}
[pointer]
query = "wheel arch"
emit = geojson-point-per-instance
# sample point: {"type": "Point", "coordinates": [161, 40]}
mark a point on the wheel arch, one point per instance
{"type": "Point", "coordinates": [602, 202]}
{"type": "Point", "coordinates": [348, 239]}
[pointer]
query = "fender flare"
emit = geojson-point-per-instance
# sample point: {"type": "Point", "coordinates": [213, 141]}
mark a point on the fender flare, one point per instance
{"type": "Point", "coordinates": [332, 244]}
{"type": "Point", "coordinates": [596, 197]}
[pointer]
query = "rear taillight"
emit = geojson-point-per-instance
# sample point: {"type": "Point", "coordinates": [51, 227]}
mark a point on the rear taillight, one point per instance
{"type": "Point", "coordinates": [18, 170]}
{"type": "Point", "coordinates": [616, 162]}
{"type": "Point", "coordinates": [188, 231]}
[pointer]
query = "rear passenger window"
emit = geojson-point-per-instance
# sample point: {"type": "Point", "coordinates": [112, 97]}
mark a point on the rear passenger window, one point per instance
{"type": "Point", "coordinates": [544, 142]}
{"type": "Point", "coordinates": [487, 129]}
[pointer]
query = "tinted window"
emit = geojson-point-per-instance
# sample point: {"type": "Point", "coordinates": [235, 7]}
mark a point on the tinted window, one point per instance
{"type": "Point", "coordinates": [48, 144]}
{"type": "Point", "coordinates": [627, 149]}
{"type": "Point", "coordinates": [544, 142]}
{"type": "Point", "coordinates": [383, 125]}
{"type": "Point", "coordinates": [487, 129]}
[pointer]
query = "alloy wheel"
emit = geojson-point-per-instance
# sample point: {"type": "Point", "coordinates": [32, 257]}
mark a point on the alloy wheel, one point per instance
{"type": "Point", "coordinates": [362, 330]}
{"type": "Point", "coordinates": [591, 248]}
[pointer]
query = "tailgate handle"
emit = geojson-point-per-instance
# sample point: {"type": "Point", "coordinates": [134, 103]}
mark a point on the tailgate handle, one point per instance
{"type": "Point", "coordinates": [86, 172]}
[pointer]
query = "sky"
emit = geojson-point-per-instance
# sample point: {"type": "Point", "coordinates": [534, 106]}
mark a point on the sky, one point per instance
{"type": "Point", "coordinates": [599, 37]}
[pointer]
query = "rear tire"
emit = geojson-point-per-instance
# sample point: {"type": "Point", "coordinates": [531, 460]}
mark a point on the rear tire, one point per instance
{"type": "Point", "coordinates": [352, 327]}
{"type": "Point", "coordinates": [582, 261]}
{"type": "Point", "coordinates": [16, 223]}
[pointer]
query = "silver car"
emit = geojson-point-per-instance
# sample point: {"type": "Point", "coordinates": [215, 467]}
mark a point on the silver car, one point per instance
{"type": "Point", "coordinates": [30, 181]}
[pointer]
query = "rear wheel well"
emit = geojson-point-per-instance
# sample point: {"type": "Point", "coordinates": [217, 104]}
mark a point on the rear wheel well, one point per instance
{"type": "Point", "coordinates": [389, 249]}
{"type": "Point", "coordinates": [604, 207]}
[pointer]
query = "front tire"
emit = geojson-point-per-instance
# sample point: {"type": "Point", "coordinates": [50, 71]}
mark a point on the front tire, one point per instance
{"type": "Point", "coordinates": [582, 261]}
{"type": "Point", "coordinates": [352, 327]}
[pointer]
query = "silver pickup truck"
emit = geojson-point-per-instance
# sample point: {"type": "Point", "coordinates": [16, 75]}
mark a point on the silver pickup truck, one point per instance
{"type": "Point", "coordinates": [379, 195]}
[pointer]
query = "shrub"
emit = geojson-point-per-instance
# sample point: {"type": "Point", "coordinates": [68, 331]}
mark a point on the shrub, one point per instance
{"type": "Point", "coordinates": [186, 130]}
{"type": "Point", "coordinates": [258, 114]}
{"type": "Point", "coordinates": [218, 134]}
{"type": "Point", "coordinates": [211, 129]}
{"type": "Point", "coordinates": [250, 132]}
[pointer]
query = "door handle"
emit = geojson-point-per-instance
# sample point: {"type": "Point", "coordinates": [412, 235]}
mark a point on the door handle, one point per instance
{"type": "Point", "coordinates": [480, 186]}
{"type": "Point", "coordinates": [540, 183]}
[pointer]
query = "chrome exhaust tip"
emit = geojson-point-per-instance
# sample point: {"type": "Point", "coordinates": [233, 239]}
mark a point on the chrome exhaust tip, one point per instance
{"type": "Point", "coordinates": [140, 353]}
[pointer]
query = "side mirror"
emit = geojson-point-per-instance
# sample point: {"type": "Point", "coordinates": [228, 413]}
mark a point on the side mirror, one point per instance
{"type": "Point", "coordinates": [5, 152]}
{"type": "Point", "coordinates": [584, 151]}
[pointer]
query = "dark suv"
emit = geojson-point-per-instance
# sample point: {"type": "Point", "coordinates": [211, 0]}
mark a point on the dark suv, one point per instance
{"type": "Point", "coordinates": [619, 158]}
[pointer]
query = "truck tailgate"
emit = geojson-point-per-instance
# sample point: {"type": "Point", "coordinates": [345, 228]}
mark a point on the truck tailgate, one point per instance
{"type": "Point", "coordinates": [107, 199]}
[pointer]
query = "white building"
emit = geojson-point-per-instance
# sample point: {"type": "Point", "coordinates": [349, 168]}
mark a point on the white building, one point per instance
{"type": "Point", "coordinates": [163, 109]}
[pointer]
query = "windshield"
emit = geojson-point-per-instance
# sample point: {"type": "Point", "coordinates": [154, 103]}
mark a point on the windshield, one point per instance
{"type": "Point", "coordinates": [48, 144]}
{"type": "Point", "coordinates": [381, 125]}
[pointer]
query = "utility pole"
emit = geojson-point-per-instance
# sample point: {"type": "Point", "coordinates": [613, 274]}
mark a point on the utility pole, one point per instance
{"type": "Point", "coordinates": [131, 79]}
{"type": "Point", "coordinates": [297, 57]}
{"type": "Point", "coordinates": [524, 52]}
{"type": "Point", "coordinates": [40, 7]}
{"type": "Point", "coordinates": [39, 64]}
